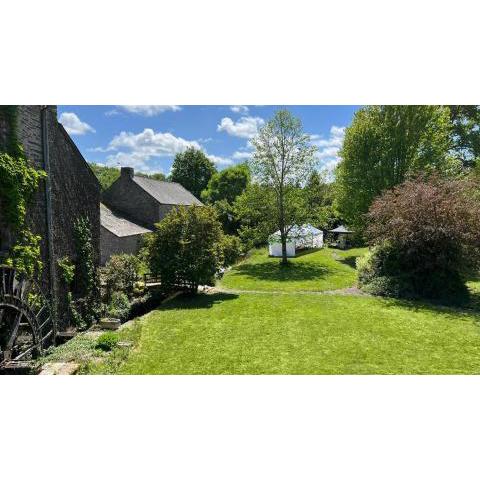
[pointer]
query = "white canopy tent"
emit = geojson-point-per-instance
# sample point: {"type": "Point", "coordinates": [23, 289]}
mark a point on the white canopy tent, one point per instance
{"type": "Point", "coordinates": [299, 237]}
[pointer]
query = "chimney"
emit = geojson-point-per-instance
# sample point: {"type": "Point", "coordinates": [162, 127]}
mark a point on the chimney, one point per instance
{"type": "Point", "coordinates": [127, 172]}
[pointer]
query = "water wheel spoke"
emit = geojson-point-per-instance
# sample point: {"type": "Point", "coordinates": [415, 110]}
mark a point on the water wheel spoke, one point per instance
{"type": "Point", "coordinates": [21, 355]}
{"type": "Point", "coordinates": [26, 325]}
{"type": "Point", "coordinates": [14, 333]}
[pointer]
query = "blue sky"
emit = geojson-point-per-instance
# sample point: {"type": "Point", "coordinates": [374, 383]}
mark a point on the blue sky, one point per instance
{"type": "Point", "coordinates": [147, 137]}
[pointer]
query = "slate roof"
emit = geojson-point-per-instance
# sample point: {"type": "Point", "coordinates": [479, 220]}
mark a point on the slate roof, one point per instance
{"type": "Point", "coordinates": [118, 225]}
{"type": "Point", "coordinates": [168, 193]}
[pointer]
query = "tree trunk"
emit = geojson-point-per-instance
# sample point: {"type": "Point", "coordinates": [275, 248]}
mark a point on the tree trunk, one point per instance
{"type": "Point", "coordinates": [284, 249]}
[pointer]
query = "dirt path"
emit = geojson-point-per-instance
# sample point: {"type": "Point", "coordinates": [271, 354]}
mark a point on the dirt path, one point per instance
{"type": "Point", "coordinates": [354, 291]}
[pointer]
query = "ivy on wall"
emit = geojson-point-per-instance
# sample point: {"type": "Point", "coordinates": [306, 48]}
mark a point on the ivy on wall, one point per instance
{"type": "Point", "coordinates": [18, 182]}
{"type": "Point", "coordinates": [86, 275]}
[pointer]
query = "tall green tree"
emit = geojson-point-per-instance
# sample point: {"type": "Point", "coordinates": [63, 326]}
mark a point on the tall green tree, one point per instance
{"type": "Point", "coordinates": [282, 160]}
{"type": "Point", "coordinates": [466, 133]}
{"type": "Point", "coordinates": [255, 212]}
{"type": "Point", "coordinates": [192, 169]}
{"type": "Point", "coordinates": [227, 184]}
{"type": "Point", "coordinates": [223, 189]}
{"type": "Point", "coordinates": [383, 146]}
{"type": "Point", "coordinates": [319, 199]}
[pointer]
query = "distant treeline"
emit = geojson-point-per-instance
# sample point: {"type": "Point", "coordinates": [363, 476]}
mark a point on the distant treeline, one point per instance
{"type": "Point", "coordinates": [107, 175]}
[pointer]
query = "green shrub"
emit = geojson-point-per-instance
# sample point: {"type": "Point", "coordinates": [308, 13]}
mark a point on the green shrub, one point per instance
{"type": "Point", "coordinates": [148, 302]}
{"type": "Point", "coordinates": [119, 306]}
{"type": "Point", "coordinates": [185, 248]}
{"type": "Point", "coordinates": [232, 249]}
{"type": "Point", "coordinates": [107, 341]}
{"type": "Point", "coordinates": [386, 272]}
{"type": "Point", "coordinates": [427, 237]}
{"type": "Point", "coordinates": [120, 274]}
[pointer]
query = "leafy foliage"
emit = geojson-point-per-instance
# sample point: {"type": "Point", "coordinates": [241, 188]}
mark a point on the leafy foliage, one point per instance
{"type": "Point", "coordinates": [231, 248]}
{"type": "Point", "coordinates": [227, 184]}
{"type": "Point", "coordinates": [119, 306]}
{"type": "Point", "coordinates": [466, 133]}
{"type": "Point", "coordinates": [192, 169]}
{"type": "Point", "coordinates": [185, 248]}
{"type": "Point", "coordinates": [120, 274]}
{"type": "Point", "coordinates": [86, 275]}
{"type": "Point", "coordinates": [18, 182]}
{"type": "Point", "coordinates": [283, 158]}
{"type": "Point", "coordinates": [67, 269]}
{"type": "Point", "coordinates": [383, 146]}
{"type": "Point", "coordinates": [25, 255]}
{"type": "Point", "coordinates": [255, 210]}
{"type": "Point", "coordinates": [107, 341]}
{"type": "Point", "coordinates": [427, 233]}
{"type": "Point", "coordinates": [223, 189]}
{"type": "Point", "coordinates": [319, 197]}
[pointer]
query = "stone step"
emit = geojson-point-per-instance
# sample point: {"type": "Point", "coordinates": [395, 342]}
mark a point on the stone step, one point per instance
{"type": "Point", "coordinates": [58, 368]}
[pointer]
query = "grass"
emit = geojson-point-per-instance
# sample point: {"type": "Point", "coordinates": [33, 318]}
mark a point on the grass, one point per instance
{"type": "Point", "coordinates": [276, 320]}
{"type": "Point", "coordinates": [307, 334]}
{"type": "Point", "coordinates": [316, 270]}
{"type": "Point", "coordinates": [83, 349]}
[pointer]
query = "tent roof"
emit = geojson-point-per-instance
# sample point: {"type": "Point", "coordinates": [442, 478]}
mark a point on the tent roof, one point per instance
{"type": "Point", "coordinates": [341, 229]}
{"type": "Point", "coordinates": [300, 231]}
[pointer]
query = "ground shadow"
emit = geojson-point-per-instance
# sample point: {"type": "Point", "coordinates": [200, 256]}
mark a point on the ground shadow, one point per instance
{"type": "Point", "coordinates": [469, 306]}
{"type": "Point", "coordinates": [307, 251]}
{"type": "Point", "coordinates": [201, 300]}
{"type": "Point", "coordinates": [293, 272]}
{"type": "Point", "coordinates": [351, 260]}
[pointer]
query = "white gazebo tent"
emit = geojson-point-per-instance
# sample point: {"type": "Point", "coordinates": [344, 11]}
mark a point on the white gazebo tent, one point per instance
{"type": "Point", "coordinates": [299, 237]}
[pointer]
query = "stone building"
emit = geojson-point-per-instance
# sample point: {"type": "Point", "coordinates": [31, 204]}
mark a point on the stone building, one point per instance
{"type": "Point", "coordinates": [132, 206]}
{"type": "Point", "coordinates": [70, 191]}
{"type": "Point", "coordinates": [118, 234]}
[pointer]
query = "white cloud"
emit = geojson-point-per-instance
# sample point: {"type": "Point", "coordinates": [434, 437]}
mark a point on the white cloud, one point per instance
{"type": "Point", "coordinates": [149, 110]}
{"type": "Point", "coordinates": [73, 125]}
{"type": "Point", "coordinates": [220, 161]}
{"type": "Point", "coordinates": [129, 159]}
{"type": "Point", "coordinates": [245, 127]}
{"type": "Point", "coordinates": [151, 143]}
{"type": "Point", "coordinates": [243, 109]}
{"type": "Point", "coordinates": [138, 150]}
{"type": "Point", "coordinates": [328, 148]}
{"type": "Point", "coordinates": [242, 155]}
{"type": "Point", "coordinates": [143, 150]}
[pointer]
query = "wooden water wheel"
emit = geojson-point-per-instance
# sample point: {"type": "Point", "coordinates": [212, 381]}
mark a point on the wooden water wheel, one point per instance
{"type": "Point", "coordinates": [27, 327]}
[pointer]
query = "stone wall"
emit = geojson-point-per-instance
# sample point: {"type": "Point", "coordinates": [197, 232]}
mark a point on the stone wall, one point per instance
{"type": "Point", "coordinates": [127, 197]}
{"type": "Point", "coordinates": [113, 245]}
{"type": "Point", "coordinates": [163, 210]}
{"type": "Point", "coordinates": [75, 192]}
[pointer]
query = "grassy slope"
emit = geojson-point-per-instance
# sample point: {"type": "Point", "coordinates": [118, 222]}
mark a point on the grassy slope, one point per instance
{"type": "Point", "coordinates": [268, 333]}
{"type": "Point", "coordinates": [315, 271]}
{"type": "Point", "coordinates": [287, 333]}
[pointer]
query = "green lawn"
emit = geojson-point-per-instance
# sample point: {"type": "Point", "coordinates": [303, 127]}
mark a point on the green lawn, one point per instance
{"type": "Point", "coordinates": [325, 269]}
{"type": "Point", "coordinates": [276, 320]}
{"type": "Point", "coordinates": [305, 334]}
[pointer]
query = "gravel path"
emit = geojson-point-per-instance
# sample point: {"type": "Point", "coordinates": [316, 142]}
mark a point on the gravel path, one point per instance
{"type": "Point", "coordinates": [354, 291]}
